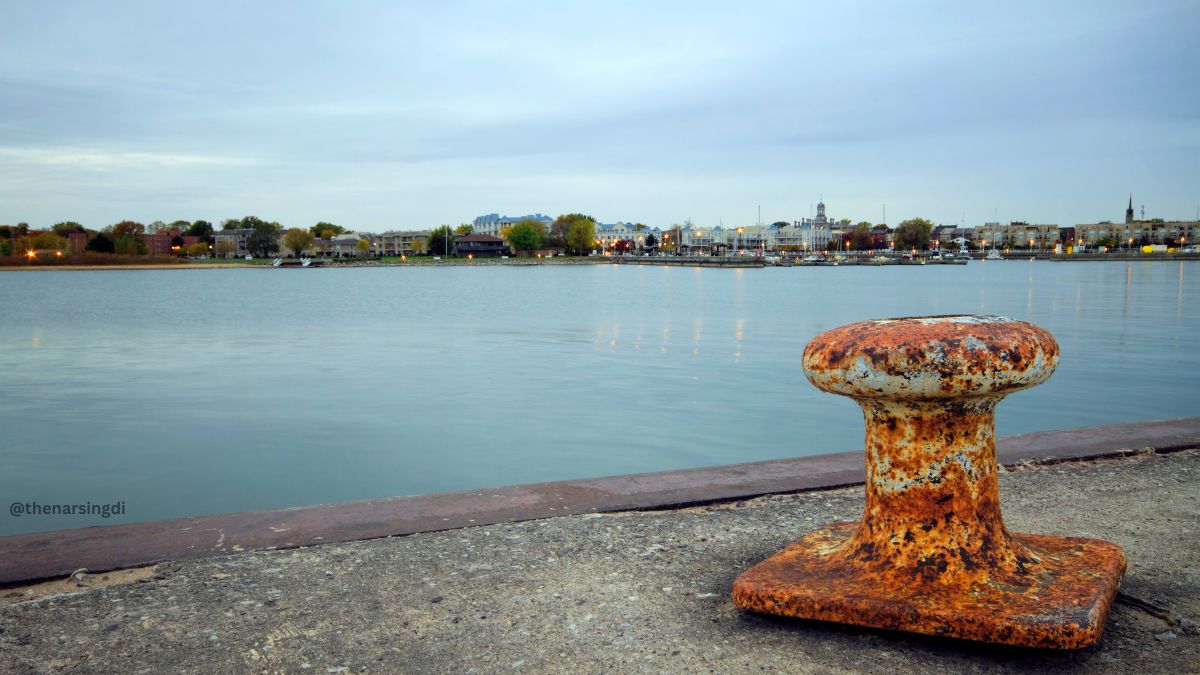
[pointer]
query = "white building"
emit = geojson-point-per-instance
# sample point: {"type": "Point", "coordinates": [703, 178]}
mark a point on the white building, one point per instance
{"type": "Point", "coordinates": [492, 223]}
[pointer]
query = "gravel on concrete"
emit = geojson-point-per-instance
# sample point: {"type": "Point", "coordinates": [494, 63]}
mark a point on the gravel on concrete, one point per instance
{"type": "Point", "coordinates": [624, 592]}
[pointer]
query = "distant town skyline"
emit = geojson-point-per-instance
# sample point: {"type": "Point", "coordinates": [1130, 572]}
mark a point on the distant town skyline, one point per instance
{"type": "Point", "coordinates": [380, 116]}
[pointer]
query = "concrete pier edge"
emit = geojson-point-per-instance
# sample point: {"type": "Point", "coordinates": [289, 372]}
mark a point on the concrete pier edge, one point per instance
{"type": "Point", "coordinates": [32, 557]}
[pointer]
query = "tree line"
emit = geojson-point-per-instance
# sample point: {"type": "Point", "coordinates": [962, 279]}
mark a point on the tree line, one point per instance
{"type": "Point", "coordinates": [574, 233]}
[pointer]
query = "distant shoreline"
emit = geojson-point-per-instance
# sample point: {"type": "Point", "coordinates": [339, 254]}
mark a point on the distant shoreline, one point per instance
{"type": "Point", "coordinates": [265, 265]}
{"type": "Point", "coordinates": [89, 268]}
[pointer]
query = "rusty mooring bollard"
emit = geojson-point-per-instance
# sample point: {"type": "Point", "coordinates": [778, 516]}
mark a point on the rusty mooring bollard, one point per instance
{"type": "Point", "coordinates": [932, 554]}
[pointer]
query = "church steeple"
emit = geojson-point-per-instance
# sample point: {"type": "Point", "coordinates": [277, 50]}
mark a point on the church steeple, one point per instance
{"type": "Point", "coordinates": [1129, 211]}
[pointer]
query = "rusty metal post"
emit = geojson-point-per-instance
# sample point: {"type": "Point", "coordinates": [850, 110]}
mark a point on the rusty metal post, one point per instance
{"type": "Point", "coordinates": [932, 554]}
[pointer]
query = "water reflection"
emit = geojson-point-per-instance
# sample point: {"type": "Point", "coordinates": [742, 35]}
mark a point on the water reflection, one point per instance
{"type": "Point", "coordinates": [221, 405]}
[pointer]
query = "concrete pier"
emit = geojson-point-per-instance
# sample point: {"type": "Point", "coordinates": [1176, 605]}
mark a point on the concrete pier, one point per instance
{"type": "Point", "coordinates": [626, 590]}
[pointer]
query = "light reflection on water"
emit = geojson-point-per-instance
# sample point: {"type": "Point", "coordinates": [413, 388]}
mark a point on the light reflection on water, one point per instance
{"type": "Point", "coordinates": [189, 392]}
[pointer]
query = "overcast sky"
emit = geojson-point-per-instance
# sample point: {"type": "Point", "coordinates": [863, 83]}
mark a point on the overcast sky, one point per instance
{"type": "Point", "coordinates": [405, 115]}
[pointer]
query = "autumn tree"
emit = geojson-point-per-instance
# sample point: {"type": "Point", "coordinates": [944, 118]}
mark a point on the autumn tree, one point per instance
{"type": "Point", "coordinates": [913, 233]}
{"type": "Point", "coordinates": [297, 240]}
{"type": "Point", "coordinates": [128, 228]}
{"type": "Point", "coordinates": [561, 225]}
{"type": "Point", "coordinates": [363, 246]}
{"type": "Point", "coordinates": [464, 229]}
{"type": "Point", "coordinates": [860, 237]}
{"type": "Point", "coordinates": [127, 237]}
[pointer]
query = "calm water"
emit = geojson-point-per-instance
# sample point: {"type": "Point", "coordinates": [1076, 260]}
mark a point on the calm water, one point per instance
{"type": "Point", "coordinates": [207, 391]}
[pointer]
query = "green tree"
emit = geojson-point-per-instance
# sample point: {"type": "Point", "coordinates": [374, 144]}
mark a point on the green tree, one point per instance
{"type": "Point", "coordinates": [781, 223]}
{"type": "Point", "coordinates": [47, 240]}
{"type": "Point", "coordinates": [580, 236]}
{"type": "Point", "coordinates": [230, 224]}
{"type": "Point", "coordinates": [860, 238]}
{"type": "Point", "coordinates": [297, 240]}
{"type": "Point", "coordinates": [527, 236]}
{"type": "Point", "coordinates": [322, 227]}
{"type": "Point", "coordinates": [101, 243]}
{"type": "Point", "coordinates": [126, 245]}
{"type": "Point", "coordinates": [181, 225]}
{"type": "Point", "coordinates": [67, 227]}
{"type": "Point", "coordinates": [441, 240]}
{"type": "Point", "coordinates": [651, 241]}
{"type": "Point", "coordinates": [200, 228]}
{"type": "Point", "coordinates": [264, 240]}
{"type": "Point", "coordinates": [913, 233]}
{"type": "Point", "coordinates": [198, 248]}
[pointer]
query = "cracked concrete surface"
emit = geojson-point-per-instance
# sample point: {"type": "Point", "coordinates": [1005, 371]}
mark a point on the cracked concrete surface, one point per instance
{"type": "Point", "coordinates": [633, 591]}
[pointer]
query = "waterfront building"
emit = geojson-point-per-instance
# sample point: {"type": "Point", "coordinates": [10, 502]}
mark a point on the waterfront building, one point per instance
{"type": "Point", "coordinates": [493, 223]}
{"type": "Point", "coordinates": [162, 243]}
{"type": "Point", "coordinates": [951, 236]}
{"type": "Point", "coordinates": [345, 245]}
{"type": "Point", "coordinates": [700, 239]}
{"type": "Point", "coordinates": [816, 233]}
{"type": "Point", "coordinates": [1018, 234]}
{"type": "Point", "coordinates": [608, 234]}
{"type": "Point", "coordinates": [402, 242]}
{"type": "Point", "coordinates": [77, 243]}
{"type": "Point", "coordinates": [1134, 232]}
{"type": "Point", "coordinates": [480, 246]}
{"type": "Point", "coordinates": [882, 237]}
{"type": "Point", "coordinates": [1138, 233]}
{"type": "Point", "coordinates": [232, 242]}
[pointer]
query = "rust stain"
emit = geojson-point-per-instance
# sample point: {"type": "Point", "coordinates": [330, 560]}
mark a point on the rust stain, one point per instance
{"type": "Point", "coordinates": [932, 553]}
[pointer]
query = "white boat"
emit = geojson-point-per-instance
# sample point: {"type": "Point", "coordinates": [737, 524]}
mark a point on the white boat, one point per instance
{"type": "Point", "coordinates": [305, 262]}
{"type": "Point", "coordinates": [276, 262]}
{"type": "Point", "coordinates": [994, 254]}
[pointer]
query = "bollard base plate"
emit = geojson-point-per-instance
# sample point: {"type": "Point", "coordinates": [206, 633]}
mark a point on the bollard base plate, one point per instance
{"type": "Point", "coordinates": [1061, 606]}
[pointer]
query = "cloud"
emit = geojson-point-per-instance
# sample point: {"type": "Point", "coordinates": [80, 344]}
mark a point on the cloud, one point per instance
{"type": "Point", "coordinates": [101, 160]}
